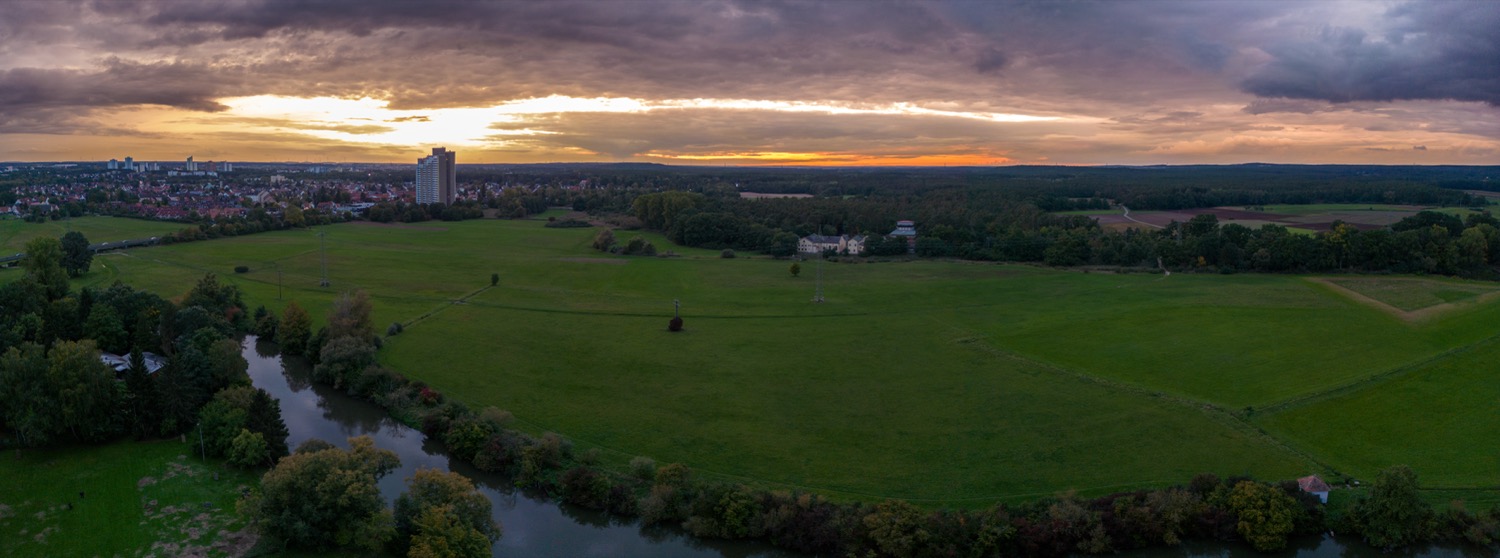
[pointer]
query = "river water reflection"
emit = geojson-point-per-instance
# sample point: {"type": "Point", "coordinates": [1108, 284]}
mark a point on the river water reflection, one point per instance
{"type": "Point", "coordinates": [533, 526]}
{"type": "Point", "coordinates": [544, 528]}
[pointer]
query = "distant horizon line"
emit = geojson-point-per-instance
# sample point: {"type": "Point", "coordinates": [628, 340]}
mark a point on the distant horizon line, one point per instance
{"type": "Point", "coordinates": [764, 166]}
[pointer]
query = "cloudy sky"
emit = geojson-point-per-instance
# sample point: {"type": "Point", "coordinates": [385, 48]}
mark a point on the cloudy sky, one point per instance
{"type": "Point", "coordinates": [720, 82]}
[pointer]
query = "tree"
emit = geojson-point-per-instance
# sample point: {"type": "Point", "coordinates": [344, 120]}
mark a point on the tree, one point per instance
{"type": "Point", "coordinates": [27, 405]}
{"type": "Point", "coordinates": [87, 399]}
{"type": "Point", "coordinates": [350, 316]}
{"type": "Point", "coordinates": [249, 449]}
{"type": "Point", "coordinates": [342, 359]}
{"type": "Point", "coordinates": [219, 299]}
{"type": "Point", "coordinates": [105, 328]}
{"type": "Point", "coordinates": [76, 255]}
{"type": "Point", "coordinates": [796, 269]}
{"type": "Point", "coordinates": [430, 489]}
{"type": "Point", "coordinates": [1265, 514]}
{"type": "Point", "coordinates": [293, 216]}
{"type": "Point", "coordinates": [324, 497]}
{"type": "Point", "coordinates": [1394, 514]}
{"type": "Point", "coordinates": [604, 240]}
{"type": "Point", "coordinates": [494, 279]}
{"type": "Point", "coordinates": [296, 326]}
{"type": "Point", "coordinates": [142, 405]}
{"type": "Point", "coordinates": [438, 533]}
{"type": "Point", "coordinates": [265, 419]}
{"type": "Point", "coordinates": [43, 264]}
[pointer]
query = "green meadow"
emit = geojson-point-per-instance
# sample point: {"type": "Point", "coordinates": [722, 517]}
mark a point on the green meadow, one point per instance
{"type": "Point", "coordinates": [15, 233]}
{"type": "Point", "coordinates": [139, 498]}
{"type": "Point", "coordinates": [947, 383]}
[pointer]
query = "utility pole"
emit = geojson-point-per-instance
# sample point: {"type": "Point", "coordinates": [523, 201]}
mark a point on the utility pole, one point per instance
{"type": "Point", "coordinates": [818, 296]}
{"type": "Point", "coordinates": [676, 308]}
{"type": "Point", "coordinates": [323, 250]}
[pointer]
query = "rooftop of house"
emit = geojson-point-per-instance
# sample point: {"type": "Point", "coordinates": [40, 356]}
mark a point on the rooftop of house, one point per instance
{"type": "Point", "coordinates": [1312, 483]}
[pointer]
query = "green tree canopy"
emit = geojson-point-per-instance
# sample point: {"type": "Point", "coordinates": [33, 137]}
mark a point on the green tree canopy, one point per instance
{"type": "Point", "coordinates": [1394, 514]}
{"type": "Point", "coordinates": [76, 256]}
{"type": "Point", "coordinates": [324, 497]}
{"type": "Point", "coordinates": [295, 328]}
{"type": "Point", "coordinates": [43, 264]}
{"type": "Point", "coordinates": [432, 489]}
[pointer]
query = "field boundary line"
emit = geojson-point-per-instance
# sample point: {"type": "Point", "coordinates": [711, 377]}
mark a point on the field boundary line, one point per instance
{"type": "Point", "coordinates": [1409, 316]}
{"type": "Point", "coordinates": [1214, 412]}
{"type": "Point", "coordinates": [451, 303]}
{"type": "Point", "coordinates": [1372, 380]}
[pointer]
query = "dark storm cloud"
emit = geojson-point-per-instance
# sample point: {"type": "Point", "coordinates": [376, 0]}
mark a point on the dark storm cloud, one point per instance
{"type": "Point", "coordinates": [118, 83]}
{"type": "Point", "coordinates": [1429, 50]}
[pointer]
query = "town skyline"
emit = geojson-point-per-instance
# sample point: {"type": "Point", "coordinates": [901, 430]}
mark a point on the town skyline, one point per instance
{"type": "Point", "coordinates": [748, 83]}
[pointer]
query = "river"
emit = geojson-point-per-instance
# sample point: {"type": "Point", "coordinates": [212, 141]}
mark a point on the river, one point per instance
{"type": "Point", "coordinates": [541, 527]}
{"type": "Point", "coordinates": [533, 527]}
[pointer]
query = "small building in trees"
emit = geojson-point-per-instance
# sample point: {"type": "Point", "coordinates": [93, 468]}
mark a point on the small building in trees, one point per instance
{"type": "Point", "coordinates": [121, 364]}
{"type": "Point", "coordinates": [1311, 484]}
{"type": "Point", "coordinates": [907, 230]}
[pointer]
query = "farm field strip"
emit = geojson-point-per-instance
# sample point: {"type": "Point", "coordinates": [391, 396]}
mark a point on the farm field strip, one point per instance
{"type": "Point", "coordinates": [933, 381]}
{"type": "Point", "coordinates": [15, 233]}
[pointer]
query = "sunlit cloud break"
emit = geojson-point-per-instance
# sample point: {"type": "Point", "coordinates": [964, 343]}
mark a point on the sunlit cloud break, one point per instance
{"type": "Point", "coordinates": [477, 126]}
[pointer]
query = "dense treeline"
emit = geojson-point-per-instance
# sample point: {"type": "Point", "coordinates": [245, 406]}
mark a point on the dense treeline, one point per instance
{"type": "Point", "coordinates": [55, 388]}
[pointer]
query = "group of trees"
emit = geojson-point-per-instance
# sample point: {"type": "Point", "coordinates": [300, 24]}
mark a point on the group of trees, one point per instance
{"type": "Point", "coordinates": [322, 497]}
{"type": "Point", "coordinates": [54, 387]}
{"type": "Point", "coordinates": [636, 246]}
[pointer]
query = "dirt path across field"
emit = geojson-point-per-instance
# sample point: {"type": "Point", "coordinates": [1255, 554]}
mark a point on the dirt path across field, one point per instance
{"type": "Point", "coordinates": [1127, 216]}
{"type": "Point", "coordinates": [1412, 316]}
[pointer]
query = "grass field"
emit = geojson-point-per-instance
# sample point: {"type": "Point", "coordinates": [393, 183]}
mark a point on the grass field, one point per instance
{"type": "Point", "coordinates": [137, 499]}
{"type": "Point", "coordinates": [1408, 294]}
{"type": "Point", "coordinates": [941, 382]}
{"type": "Point", "coordinates": [15, 233]}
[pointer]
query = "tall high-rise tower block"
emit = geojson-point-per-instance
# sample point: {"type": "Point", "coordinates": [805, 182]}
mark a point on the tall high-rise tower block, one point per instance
{"type": "Point", "coordinates": [437, 177]}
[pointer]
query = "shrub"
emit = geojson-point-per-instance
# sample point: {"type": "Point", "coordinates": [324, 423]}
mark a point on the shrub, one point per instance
{"type": "Point", "coordinates": [241, 269]}
{"type": "Point", "coordinates": [643, 468]}
{"type": "Point", "coordinates": [796, 269]}
{"type": "Point", "coordinates": [604, 240]}
{"type": "Point", "coordinates": [727, 254]}
{"type": "Point", "coordinates": [395, 329]}
{"type": "Point", "coordinates": [675, 324]}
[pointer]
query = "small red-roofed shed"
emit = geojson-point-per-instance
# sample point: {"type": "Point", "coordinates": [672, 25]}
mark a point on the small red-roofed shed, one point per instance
{"type": "Point", "coordinates": [1311, 484]}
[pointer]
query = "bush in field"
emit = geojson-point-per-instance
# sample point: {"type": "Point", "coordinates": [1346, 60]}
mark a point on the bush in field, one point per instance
{"type": "Point", "coordinates": [727, 254]}
{"type": "Point", "coordinates": [604, 240]}
{"type": "Point", "coordinates": [241, 269]}
{"type": "Point", "coordinates": [675, 324]}
{"type": "Point", "coordinates": [796, 269]}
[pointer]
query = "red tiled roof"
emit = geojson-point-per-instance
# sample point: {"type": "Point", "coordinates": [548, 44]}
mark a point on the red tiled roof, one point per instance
{"type": "Point", "coordinates": [1313, 484]}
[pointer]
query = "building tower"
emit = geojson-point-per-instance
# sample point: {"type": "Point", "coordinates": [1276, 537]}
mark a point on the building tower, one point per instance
{"type": "Point", "coordinates": [114, 164]}
{"type": "Point", "coordinates": [130, 163]}
{"type": "Point", "coordinates": [191, 166]}
{"type": "Point", "coordinates": [437, 176]}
